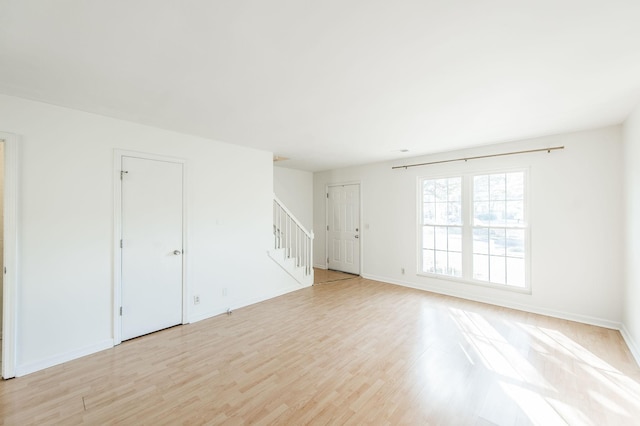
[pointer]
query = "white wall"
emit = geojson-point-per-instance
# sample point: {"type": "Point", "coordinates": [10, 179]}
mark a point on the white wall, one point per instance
{"type": "Point", "coordinates": [295, 189]}
{"type": "Point", "coordinates": [66, 225]}
{"type": "Point", "coordinates": [576, 230]}
{"type": "Point", "coordinates": [631, 320]}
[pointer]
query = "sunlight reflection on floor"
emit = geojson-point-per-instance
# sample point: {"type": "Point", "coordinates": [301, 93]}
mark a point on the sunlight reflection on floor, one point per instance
{"type": "Point", "coordinates": [529, 375]}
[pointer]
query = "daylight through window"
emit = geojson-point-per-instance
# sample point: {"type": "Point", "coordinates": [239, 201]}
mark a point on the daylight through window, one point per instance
{"type": "Point", "coordinates": [442, 230]}
{"type": "Point", "coordinates": [474, 227]}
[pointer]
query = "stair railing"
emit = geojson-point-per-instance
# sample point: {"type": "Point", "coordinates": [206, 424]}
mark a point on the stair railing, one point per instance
{"type": "Point", "coordinates": [289, 234]}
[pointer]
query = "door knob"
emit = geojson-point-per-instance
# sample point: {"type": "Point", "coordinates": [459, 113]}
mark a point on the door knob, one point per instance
{"type": "Point", "coordinates": [177, 252]}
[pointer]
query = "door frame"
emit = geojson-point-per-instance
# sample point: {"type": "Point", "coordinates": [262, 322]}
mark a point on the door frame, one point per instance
{"type": "Point", "coordinates": [326, 221]}
{"type": "Point", "coordinates": [10, 234]}
{"type": "Point", "coordinates": [117, 234]}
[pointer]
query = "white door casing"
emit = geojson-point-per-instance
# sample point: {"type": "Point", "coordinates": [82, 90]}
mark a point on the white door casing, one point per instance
{"type": "Point", "coordinates": [343, 228]}
{"type": "Point", "coordinates": [10, 254]}
{"type": "Point", "coordinates": [149, 289]}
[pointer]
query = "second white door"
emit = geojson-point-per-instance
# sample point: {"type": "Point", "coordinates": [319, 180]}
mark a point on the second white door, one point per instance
{"type": "Point", "coordinates": [152, 209]}
{"type": "Point", "coordinates": [343, 228]}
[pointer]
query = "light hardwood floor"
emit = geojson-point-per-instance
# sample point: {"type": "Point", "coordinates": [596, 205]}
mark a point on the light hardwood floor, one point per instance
{"type": "Point", "coordinates": [323, 276]}
{"type": "Point", "coordinates": [345, 352]}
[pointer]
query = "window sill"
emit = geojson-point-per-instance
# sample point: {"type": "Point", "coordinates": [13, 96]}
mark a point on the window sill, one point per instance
{"type": "Point", "coordinates": [477, 283]}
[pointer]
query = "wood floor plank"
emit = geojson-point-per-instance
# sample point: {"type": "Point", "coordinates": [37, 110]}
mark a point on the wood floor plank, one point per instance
{"type": "Point", "coordinates": [348, 351]}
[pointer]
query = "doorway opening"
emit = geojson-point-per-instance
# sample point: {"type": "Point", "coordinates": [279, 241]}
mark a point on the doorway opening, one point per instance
{"type": "Point", "coordinates": [343, 228]}
{"type": "Point", "coordinates": [149, 276]}
{"type": "Point", "coordinates": [1, 237]}
{"type": "Point", "coordinates": [8, 246]}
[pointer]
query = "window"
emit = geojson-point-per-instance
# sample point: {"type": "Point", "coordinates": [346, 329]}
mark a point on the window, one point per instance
{"type": "Point", "coordinates": [442, 230]}
{"type": "Point", "coordinates": [474, 228]}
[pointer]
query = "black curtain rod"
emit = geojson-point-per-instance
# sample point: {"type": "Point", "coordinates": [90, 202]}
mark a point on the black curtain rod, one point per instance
{"type": "Point", "coordinates": [480, 156]}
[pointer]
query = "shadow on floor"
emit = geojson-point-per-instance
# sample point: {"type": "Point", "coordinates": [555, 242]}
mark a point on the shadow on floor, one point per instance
{"type": "Point", "coordinates": [323, 276]}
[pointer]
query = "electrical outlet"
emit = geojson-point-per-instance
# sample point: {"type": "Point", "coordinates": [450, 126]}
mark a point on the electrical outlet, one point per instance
{"type": "Point", "coordinates": [402, 271]}
{"type": "Point", "coordinates": [196, 300]}
{"type": "Point", "coordinates": [224, 291]}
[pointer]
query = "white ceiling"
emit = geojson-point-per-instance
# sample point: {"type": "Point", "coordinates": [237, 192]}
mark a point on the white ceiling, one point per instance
{"type": "Point", "coordinates": [331, 83]}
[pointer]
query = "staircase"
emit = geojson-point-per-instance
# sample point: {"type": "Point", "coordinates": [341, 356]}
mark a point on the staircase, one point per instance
{"type": "Point", "coordinates": [293, 244]}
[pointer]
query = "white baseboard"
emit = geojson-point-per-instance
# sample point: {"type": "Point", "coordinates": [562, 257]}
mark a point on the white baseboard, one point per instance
{"type": "Point", "coordinates": [245, 302]}
{"type": "Point", "coordinates": [504, 303]}
{"type": "Point", "coordinates": [32, 367]}
{"type": "Point", "coordinates": [634, 348]}
{"type": "Point", "coordinates": [320, 266]}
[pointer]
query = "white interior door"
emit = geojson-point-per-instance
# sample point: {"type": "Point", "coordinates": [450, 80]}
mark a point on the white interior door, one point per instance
{"type": "Point", "coordinates": [343, 228]}
{"type": "Point", "coordinates": [151, 289]}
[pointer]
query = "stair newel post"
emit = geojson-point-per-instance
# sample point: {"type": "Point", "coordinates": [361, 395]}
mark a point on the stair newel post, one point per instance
{"type": "Point", "coordinates": [289, 221]}
{"type": "Point", "coordinates": [311, 238]}
{"type": "Point", "coordinates": [310, 255]}
{"type": "Point", "coordinates": [298, 244]}
{"type": "Point", "coordinates": [280, 230]}
{"type": "Point", "coordinates": [280, 226]}
{"type": "Point", "coordinates": [286, 234]}
{"type": "Point", "coordinates": [275, 221]}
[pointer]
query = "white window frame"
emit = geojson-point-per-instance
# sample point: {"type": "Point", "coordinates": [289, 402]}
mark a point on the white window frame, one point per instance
{"type": "Point", "coordinates": [467, 229]}
{"type": "Point", "coordinates": [445, 225]}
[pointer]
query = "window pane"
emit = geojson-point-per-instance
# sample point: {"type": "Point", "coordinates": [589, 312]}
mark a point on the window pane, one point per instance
{"type": "Point", "coordinates": [442, 245]}
{"type": "Point", "coordinates": [455, 189]}
{"type": "Point", "coordinates": [515, 213]}
{"type": "Point", "coordinates": [497, 187]}
{"type": "Point", "coordinates": [497, 243]}
{"type": "Point", "coordinates": [428, 191]}
{"type": "Point", "coordinates": [429, 213]}
{"type": "Point", "coordinates": [441, 262]}
{"type": "Point", "coordinates": [481, 213]}
{"type": "Point", "coordinates": [515, 272]}
{"type": "Point", "coordinates": [428, 261]}
{"type": "Point", "coordinates": [455, 239]}
{"type": "Point", "coordinates": [481, 188]}
{"type": "Point", "coordinates": [428, 237]}
{"type": "Point", "coordinates": [498, 213]}
{"type": "Point", "coordinates": [481, 241]}
{"type": "Point", "coordinates": [441, 189]}
{"type": "Point", "coordinates": [515, 243]}
{"type": "Point", "coordinates": [441, 238]}
{"type": "Point", "coordinates": [481, 267]}
{"type": "Point", "coordinates": [497, 269]}
{"type": "Point", "coordinates": [515, 186]}
{"type": "Point", "coordinates": [455, 264]}
{"type": "Point", "coordinates": [454, 214]}
{"type": "Point", "coordinates": [441, 213]}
